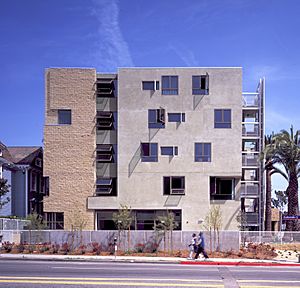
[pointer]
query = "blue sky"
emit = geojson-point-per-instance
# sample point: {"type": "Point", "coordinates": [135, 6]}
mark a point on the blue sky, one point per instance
{"type": "Point", "coordinates": [260, 36]}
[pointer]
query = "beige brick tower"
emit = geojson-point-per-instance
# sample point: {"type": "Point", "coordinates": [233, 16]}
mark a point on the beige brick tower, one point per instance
{"type": "Point", "coordinates": [69, 142]}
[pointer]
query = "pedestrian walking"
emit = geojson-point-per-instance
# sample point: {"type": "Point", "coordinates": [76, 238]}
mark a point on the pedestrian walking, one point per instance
{"type": "Point", "coordinates": [201, 246]}
{"type": "Point", "coordinates": [192, 246]}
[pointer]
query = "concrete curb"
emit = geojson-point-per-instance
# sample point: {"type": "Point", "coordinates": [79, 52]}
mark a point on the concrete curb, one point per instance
{"type": "Point", "coordinates": [152, 260]}
{"type": "Point", "coordinates": [241, 263]}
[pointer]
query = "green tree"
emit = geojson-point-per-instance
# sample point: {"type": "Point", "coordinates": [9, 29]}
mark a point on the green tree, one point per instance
{"type": "Point", "coordinates": [36, 222]}
{"type": "Point", "coordinates": [284, 150]}
{"type": "Point", "coordinates": [4, 189]}
{"type": "Point", "coordinates": [280, 201]}
{"type": "Point", "coordinates": [123, 219]}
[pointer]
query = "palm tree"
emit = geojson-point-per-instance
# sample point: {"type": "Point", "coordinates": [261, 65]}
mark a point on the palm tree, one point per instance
{"type": "Point", "coordinates": [284, 150]}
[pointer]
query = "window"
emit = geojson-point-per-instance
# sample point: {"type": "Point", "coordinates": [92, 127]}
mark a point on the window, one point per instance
{"type": "Point", "coordinates": [55, 220]}
{"type": "Point", "coordinates": [148, 85]}
{"type": "Point", "coordinates": [149, 152]}
{"type": "Point", "coordinates": [169, 150]}
{"type": "Point", "coordinates": [200, 84]}
{"type": "Point", "coordinates": [176, 117]}
{"type": "Point", "coordinates": [221, 188]}
{"type": "Point", "coordinates": [105, 120]}
{"type": "Point", "coordinates": [174, 185]}
{"type": "Point", "coordinates": [106, 187]}
{"type": "Point", "coordinates": [65, 117]}
{"type": "Point", "coordinates": [141, 219]}
{"type": "Point", "coordinates": [156, 118]}
{"type": "Point", "coordinates": [45, 185]}
{"type": "Point", "coordinates": [169, 85]}
{"type": "Point", "coordinates": [202, 152]}
{"type": "Point", "coordinates": [105, 153]}
{"type": "Point", "coordinates": [38, 162]}
{"type": "Point", "coordinates": [222, 118]}
{"type": "Point", "coordinates": [33, 181]}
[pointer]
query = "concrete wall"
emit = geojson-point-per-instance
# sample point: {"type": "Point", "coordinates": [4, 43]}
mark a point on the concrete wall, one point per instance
{"type": "Point", "coordinates": [142, 188]}
{"type": "Point", "coordinates": [70, 149]}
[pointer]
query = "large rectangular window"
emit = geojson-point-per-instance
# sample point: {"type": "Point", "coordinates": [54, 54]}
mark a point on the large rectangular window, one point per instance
{"type": "Point", "coordinates": [174, 185]}
{"type": "Point", "coordinates": [169, 85]}
{"type": "Point", "coordinates": [222, 188]}
{"type": "Point", "coordinates": [156, 118]}
{"type": "Point", "coordinates": [64, 116]}
{"type": "Point", "coordinates": [200, 85]}
{"type": "Point", "coordinates": [202, 152]}
{"type": "Point", "coordinates": [55, 220]}
{"type": "Point", "coordinates": [149, 152]}
{"type": "Point", "coordinates": [141, 219]}
{"type": "Point", "coordinates": [222, 118]}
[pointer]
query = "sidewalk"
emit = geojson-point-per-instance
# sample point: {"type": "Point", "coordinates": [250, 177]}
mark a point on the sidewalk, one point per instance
{"type": "Point", "coordinates": [135, 259]}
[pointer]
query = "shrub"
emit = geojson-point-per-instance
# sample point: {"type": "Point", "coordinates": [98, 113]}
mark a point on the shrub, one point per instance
{"type": "Point", "coordinates": [55, 248]}
{"type": "Point", "coordinates": [139, 247]}
{"type": "Point", "coordinates": [7, 246]}
{"type": "Point", "coordinates": [65, 248]}
{"type": "Point", "coordinates": [96, 248]}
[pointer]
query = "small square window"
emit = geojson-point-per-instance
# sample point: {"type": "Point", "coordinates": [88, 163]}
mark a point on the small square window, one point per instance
{"type": "Point", "coordinates": [65, 116]}
{"type": "Point", "coordinates": [202, 152]}
{"type": "Point", "coordinates": [200, 85]}
{"type": "Point", "coordinates": [222, 118]}
{"type": "Point", "coordinates": [156, 118]}
{"type": "Point", "coordinates": [174, 185]}
{"type": "Point", "coordinates": [169, 85]}
{"type": "Point", "coordinates": [149, 152]}
{"type": "Point", "coordinates": [148, 85]}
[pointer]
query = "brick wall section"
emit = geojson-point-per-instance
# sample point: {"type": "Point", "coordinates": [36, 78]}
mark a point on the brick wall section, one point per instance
{"type": "Point", "coordinates": [69, 149]}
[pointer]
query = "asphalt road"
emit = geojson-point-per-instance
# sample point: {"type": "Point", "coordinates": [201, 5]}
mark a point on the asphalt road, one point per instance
{"type": "Point", "coordinates": [109, 274]}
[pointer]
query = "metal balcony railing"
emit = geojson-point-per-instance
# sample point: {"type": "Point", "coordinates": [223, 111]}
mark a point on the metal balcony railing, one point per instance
{"type": "Point", "coordinates": [251, 218]}
{"type": "Point", "coordinates": [249, 190]}
{"type": "Point", "coordinates": [250, 159]}
{"type": "Point", "coordinates": [250, 100]}
{"type": "Point", "coordinates": [250, 129]}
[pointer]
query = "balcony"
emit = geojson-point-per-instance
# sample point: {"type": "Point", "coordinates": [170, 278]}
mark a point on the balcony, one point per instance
{"type": "Point", "coordinates": [250, 100]}
{"type": "Point", "coordinates": [250, 129]}
{"type": "Point", "coordinates": [249, 190]}
{"type": "Point", "coordinates": [251, 219]}
{"type": "Point", "coordinates": [250, 159]}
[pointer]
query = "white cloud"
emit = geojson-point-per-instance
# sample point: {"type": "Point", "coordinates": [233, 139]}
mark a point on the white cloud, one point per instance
{"type": "Point", "coordinates": [110, 50]}
{"type": "Point", "coordinates": [185, 54]}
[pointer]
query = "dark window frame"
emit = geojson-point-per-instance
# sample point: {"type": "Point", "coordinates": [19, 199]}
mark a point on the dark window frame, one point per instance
{"type": "Point", "coordinates": [52, 222]}
{"type": "Point", "coordinates": [150, 156]}
{"type": "Point", "coordinates": [64, 117]}
{"type": "Point", "coordinates": [148, 85]}
{"type": "Point", "coordinates": [169, 183]}
{"type": "Point", "coordinates": [106, 186]}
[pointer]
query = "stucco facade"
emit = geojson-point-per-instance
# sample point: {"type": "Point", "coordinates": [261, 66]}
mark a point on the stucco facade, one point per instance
{"type": "Point", "coordinates": [75, 172]}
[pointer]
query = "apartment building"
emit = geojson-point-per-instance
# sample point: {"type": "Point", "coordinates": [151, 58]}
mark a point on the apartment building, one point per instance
{"type": "Point", "coordinates": [156, 140]}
